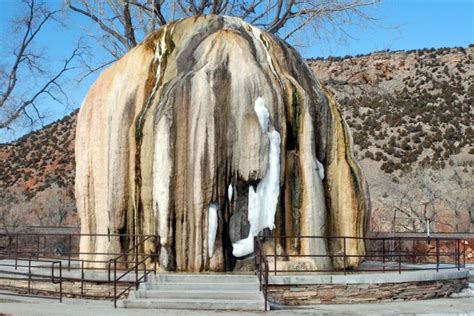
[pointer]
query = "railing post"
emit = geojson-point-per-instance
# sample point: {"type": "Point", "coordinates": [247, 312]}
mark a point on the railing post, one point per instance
{"type": "Point", "coordinates": [275, 254]}
{"type": "Point", "coordinates": [437, 254]}
{"type": "Point", "coordinates": [257, 261]}
{"type": "Point", "coordinates": [60, 278]}
{"type": "Point", "coordinates": [265, 293]}
{"type": "Point", "coordinates": [115, 283]}
{"type": "Point", "coordinates": [157, 249]}
{"type": "Point", "coordinates": [255, 252]}
{"type": "Point", "coordinates": [37, 246]}
{"type": "Point", "coordinates": [344, 255]}
{"type": "Point", "coordinates": [29, 274]}
{"type": "Point", "coordinates": [413, 251]}
{"type": "Point", "coordinates": [464, 254]}
{"type": "Point", "coordinates": [399, 255]}
{"type": "Point", "coordinates": [145, 275]}
{"type": "Point", "coordinates": [458, 249]}
{"type": "Point", "coordinates": [108, 268]}
{"type": "Point", "coordinates": [10, 241]}
{"type": "Point", "coordinates": [60, 282]}
{"type": "Point", "coordinates": [136, 266]}
{"type": "Point", "coordinates": [383, 252]}
{"type": "Point", "coordinates": [16, 251]}
{"type": "Point", "coordinates": [69, 255]}
{"type": "Point", "coordinates": [82, 277]}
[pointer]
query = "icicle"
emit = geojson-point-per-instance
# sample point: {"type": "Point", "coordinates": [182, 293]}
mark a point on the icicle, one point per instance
{"type": "Point", "coordinates": [212, 228]}
{"type": "Point", "coordinates": [320, 169]}
{"type": "Point", "coordinates": [229, 192]}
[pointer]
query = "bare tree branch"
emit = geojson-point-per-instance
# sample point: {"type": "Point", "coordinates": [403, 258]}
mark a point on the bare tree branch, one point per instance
{"type": "Point", "coordinates": [21, 56]}
{"type": "Point", "coordinates": [23, 105]}
{"type": "Point", "coordinates": [129, 31]}
{"type": "Point", "coordinates": [99, 21]}
{"type": "Point", "coordinates": [273, 16]}
{"type": "Point", "coordinates": [13, 103]}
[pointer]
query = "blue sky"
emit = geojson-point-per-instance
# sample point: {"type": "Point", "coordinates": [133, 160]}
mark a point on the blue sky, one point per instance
{"type": "Point", "coordinates": [400, 25]}
{"type": "Point", "coordinates": [408, 24]}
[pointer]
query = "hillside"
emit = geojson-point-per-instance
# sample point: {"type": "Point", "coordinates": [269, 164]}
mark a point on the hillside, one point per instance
{"type": "Point", "coordinates": [407, 109]}
{"type": "Point", "coordinates": [37, 177]}
{"type": "Point", "coordinates": [39, 159]}
{"type": "Point", "coordinates": [411, 115]}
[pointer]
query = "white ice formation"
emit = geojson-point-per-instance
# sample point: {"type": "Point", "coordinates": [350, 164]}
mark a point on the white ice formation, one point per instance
{"type": "Point", "coordinates": [320, 169]}
{"type": "Point", "coordinates": [212, 228]}
{"type": "Point", "coordinates": [262, 202]}
{"type": "Point", "coordinates": [230, 191]}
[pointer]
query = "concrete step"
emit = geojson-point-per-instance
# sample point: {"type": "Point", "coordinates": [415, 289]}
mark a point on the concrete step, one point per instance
{"type": "Point", "coordinates": [198, 291]}
{"type": "Point", "coordinates": [203, 294]}
{"type": "Point", "coordinates": [228, 286]}
{"type": "Point", "coordinates": [194, 304]}
{"type": "Point", "coordinates": [202, 278]}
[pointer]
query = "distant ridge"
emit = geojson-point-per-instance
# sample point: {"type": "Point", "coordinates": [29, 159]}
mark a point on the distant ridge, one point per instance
{"type": "Point", "coordinates": [439, 50]}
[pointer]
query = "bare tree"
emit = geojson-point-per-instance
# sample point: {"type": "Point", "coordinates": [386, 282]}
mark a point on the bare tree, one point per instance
{"type": "Point", "coordinates": [423, 195]}
{"type": "Point", "coordinates": [12, 212]}
{"type": "Point", "coordinates": [459, 199]}
{"type": "Point", "coordinates": [124, 23]}
{"type": "Point", "coordinates": [53, 207]}
{"type": "Point", "coordinates": [17, 101]}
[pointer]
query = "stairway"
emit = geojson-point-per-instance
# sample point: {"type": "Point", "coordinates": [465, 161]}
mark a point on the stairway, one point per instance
{"type": "Point", "coordinates": [197, 292]}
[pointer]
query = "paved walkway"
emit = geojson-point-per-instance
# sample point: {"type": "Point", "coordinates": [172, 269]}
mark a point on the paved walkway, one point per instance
{"type": "Point", "coordinates": [72, 307]}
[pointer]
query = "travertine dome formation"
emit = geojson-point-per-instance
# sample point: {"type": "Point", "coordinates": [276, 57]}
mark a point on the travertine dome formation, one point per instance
{"type": "Point", "coordinates": [208, 133]}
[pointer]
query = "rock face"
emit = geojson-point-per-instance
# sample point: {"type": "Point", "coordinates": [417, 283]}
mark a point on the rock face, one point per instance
{"type": "Point", "coordinates": [208, 133]}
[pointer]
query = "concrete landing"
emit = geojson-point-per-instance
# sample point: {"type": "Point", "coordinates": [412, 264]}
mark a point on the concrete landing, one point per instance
{"type": "Point", "coordinates": [198, 292]}
{"type": "Point", "coordinates": [19, 306]}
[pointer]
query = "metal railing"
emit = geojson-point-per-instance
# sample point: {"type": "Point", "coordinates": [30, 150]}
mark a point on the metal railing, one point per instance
{"type": "Point", "coordinates": [395, 253]}
{"type": "Point", "coordinates": [261, 269]}
{"type": "Point", "coordinates": [23, 253]}
{"type": "Point", "coordinates": [35, 244]}
{"type": "Point", "coordinates": [398, 250]}
{"type": "Point", "coordinates": [30, 277]}
{"type": "Point", "coordinates": [134, 251]}
{"type": "Point", "coordinates": [391, 253]}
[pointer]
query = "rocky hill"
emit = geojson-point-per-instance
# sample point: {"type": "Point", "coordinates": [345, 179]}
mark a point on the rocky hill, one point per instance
{"type": "Point", "coordinates": [39, 159]}
{"type": "Point", "coordinates": [411, 115]}
{"type": "Point", "coordinates": [37, 177]}
{"type": "Point", "coordinates": [407, 108]}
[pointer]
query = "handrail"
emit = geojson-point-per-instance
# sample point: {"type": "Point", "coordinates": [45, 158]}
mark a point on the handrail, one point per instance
{"type": "Point", "coordinates": [395, 254]}
{"type": "Point", "coordinates": [443, 253]}
{"type": "Point", "coordinates": [131, 258]}
{"type": "Point", "coordinates": [38, 245]}
{"type": "Point", "coordinates": [261, 263]}
{"type": "Point", "coordinates": [136, 247]}
{"type": "Point", "coordinates": [60, 278]}
{"type": "Point", "coordinates": [398, 252]}
{"type": "Point", "coordinates": [133, 251]}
